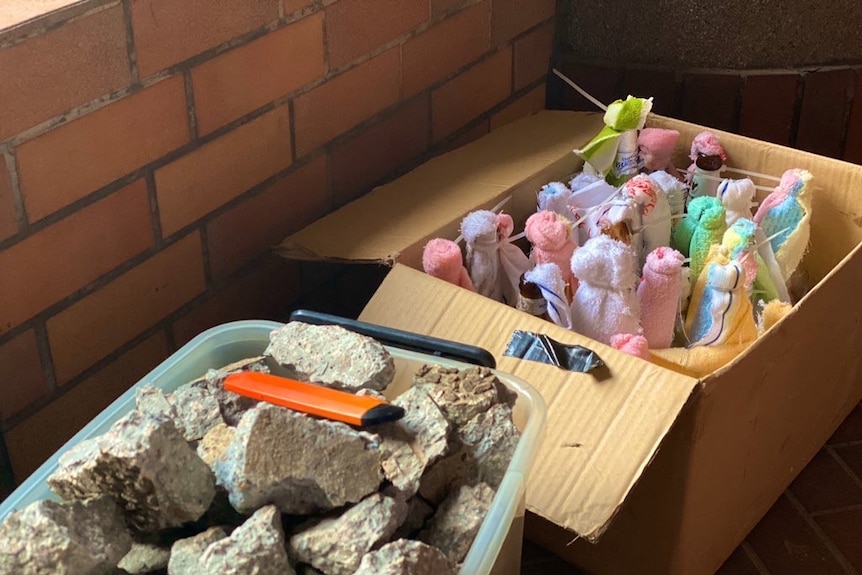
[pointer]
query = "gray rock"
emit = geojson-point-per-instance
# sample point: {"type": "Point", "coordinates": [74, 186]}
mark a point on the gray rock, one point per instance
{"type": "Point", "coordinates": [146, 466]}
{"type": "Point", "coordinates": [301, 464]}
{"type": "Point", "coordinates": [194, 410]}
{"type": "Point", "coordinates": [49, 538]}
{"type": "Point", "coordinates": [186, 553]}
{"type": "Point", "coordinates": [256, 546]}
{"type": "Point", "coordinates": [198, 411]}
{"type": "Point", "coordinates": [332, 356]}
{"type": "Point", "coordinates": [213, 446]}
{"type": "Point", "coordinates": [418, 511]}
{"type": "Point", "coordinates": [458, 468]}
{"type": "Point", "coordinates": [461, 394]}
{"type": "Point", "coordinates": [232, 405]}
{"type": "Point", "coordinates": [145, 558]}
{"type": "Point", "coordinates": [405, 557]}
{"type": "Point", "coordinates": [493, 437]}
{"type": "Point", "coordinates": [454, 526]}
{"type": "Point", "coordinates": [336, 545]}
{"type": "Point", "coordinates": [409, 445]}
{"type": "Point", "coordinates": [152, 400]}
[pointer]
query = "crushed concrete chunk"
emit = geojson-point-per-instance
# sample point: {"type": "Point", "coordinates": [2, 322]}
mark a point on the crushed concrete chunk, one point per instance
{"type": "Point", "coordinates": [458, 468]}
{"type": "Point", "coordinates": [198, 410]}
{"type": "Point", "coordinates": [152, 400]}
{"type": "Point", "coordinates": [332, 356]}
{"type": "Point", "coordinates": [146, 466]}
{"type": "Point", "coordinates": [186, 553]}
{"type": "Point", "coordinates": [454, 526]}
{"type": "Point", "coordinates": [409, 445]}
{"type": "Point", "coordinates": [418, 511]}
{"type": "Point", "coordinates": [336, 545]}
{"type": "Point", "coordinates": [493, 438]}
{"type": "Point", "coordinates": [49, 538]}
{"type": "Point", "coordinates": [145, 558]}
{"type": "Point", "coordinates": [461, 394]}
{"type": "Point", "coordinates": [232, 405]}
{"type": "Point", "coordinates": [256, 546]}
{"type": "Point", "coordinates": [214, 444]}
{"type": "Point", "coordinates": [405, 557]}
{"type": "Point", "coordinates": [301, 464]}
{"type": "Point", "coordinates": [193, 410]}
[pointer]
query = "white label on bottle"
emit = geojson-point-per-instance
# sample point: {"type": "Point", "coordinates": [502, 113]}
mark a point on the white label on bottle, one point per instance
{"type": "Point", "coordinates": [532, 306]}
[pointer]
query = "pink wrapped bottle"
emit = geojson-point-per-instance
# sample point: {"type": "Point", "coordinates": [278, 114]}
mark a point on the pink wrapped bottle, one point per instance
{"type": "Point", "coordinates": [658, 293]}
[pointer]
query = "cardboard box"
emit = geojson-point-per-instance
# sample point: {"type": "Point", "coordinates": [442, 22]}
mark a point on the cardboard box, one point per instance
{"type": "Point", "coordinates": [652, 468]}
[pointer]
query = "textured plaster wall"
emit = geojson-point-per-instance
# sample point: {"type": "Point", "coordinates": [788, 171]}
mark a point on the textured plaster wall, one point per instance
{"type": "Point", "coordinates": [737, 34]}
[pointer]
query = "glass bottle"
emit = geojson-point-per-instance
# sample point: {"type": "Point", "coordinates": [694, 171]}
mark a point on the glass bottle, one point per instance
{"type": "Point", "coordinates": [530, 299]}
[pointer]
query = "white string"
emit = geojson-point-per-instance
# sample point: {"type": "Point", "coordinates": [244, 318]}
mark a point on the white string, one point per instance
{"type": "Point", "coordinates": [763, 243]}
{"type": "Point", "coordinates": [750, 173]}
{"type": "Point", "coordinates": [594, 209]}
{"type": "Point", "coordinates": [496, 209]}
{"type": "Point", "coordinates": [717, 179]}
{"type": "Point", "coordinates": [580, 90]}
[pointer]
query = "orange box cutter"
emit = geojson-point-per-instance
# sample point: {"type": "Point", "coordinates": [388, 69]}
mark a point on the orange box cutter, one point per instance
{"type": "Point", "coordinates": [359, 410]}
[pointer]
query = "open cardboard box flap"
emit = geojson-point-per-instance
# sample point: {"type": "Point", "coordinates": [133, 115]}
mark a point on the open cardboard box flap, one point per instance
{"type": "Point", "coordinates": [603, 430]}
{"type": "Point", "coordinates": [426, 202]}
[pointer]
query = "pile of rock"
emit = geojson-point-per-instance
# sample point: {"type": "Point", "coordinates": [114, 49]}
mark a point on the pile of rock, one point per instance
{"type": "Point", "coordinates": [203, 481]}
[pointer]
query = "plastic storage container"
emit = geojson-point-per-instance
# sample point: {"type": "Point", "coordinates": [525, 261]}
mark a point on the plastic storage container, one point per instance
{"type": "Point", "coordinates": [497, 547]}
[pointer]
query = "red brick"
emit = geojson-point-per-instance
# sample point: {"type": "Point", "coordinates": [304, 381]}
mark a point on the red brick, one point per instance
{"type": "Point", "coordinates": [788, 545]}
{"type": "Point", "coordinates": [75, 159]}
{"type": "Point", "coordinates": [845, 530]}
{"type": "Point", "coordinates": [853, 145]}
{"type": "Point", "coordinates": [533, 55]}
{"type": "Point", "coordinates": [69, 254]}
{"type": "Point", "coordinates": [70, 66]}
{"type": "Point", "coordinates": [599, 81]}
{"type": "Point", "coordinates": [201, 181]}
{"type": "Point", "coordinates": [246, 78]}
{"type": "Point", "coordinates": [768, 104]}
{"type": "Point", "coordinates": [8, 217]}
{"type": "Point", "coordinates": [511, 17]}
{"type": "Point", "coordinates": [445, 48]}
{"type": "Point", "coordinates": [23, 382]}
{"type": "Point", "coordinates": [824, 484]}
{"type": "Point", "coordinates": [355, 27]}
{"type": "Point", "coordinates": [36, 438]}
{"type": "Point", "coordinates": [711, 100]}
{"type": "Point", "coordinates": [379, 150]}
{"type": "Point", "coordinates": [655, 84]}
{"type": "Point", "coordinates": [260, 294]}
{"type": "Point", "coordinates": [346, 100]}
{"type": "Point", "coordinates": [440, 7]}
{"type": "Point", "coordinates": [291, 6]}
{"type": "Point", "coordinates": [471, 93]}
{"type": "Point", "coordinates": [850, 429]}
{"type": "Point", "coordinates": [822, 114]}
{"type": "Point", "coordinates": [168, 32]}
{"type": "Point", "coordinates": [252, 227]}
{"type": "Point", "coordinates": [90, 329]}
{"type": "Point", "coordinates": [738, 564]}
{"type": "Point", "coordinates": [529, 103]}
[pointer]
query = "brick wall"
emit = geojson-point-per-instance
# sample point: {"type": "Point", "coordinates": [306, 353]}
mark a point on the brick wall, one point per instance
{"type": "Point", "coordinates": [151, 152]}
{"type": "Point", "coordinates": [814, 109]}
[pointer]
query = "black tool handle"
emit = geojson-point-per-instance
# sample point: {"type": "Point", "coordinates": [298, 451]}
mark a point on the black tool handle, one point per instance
{"type": "Point", "coordinates": [402, 339]}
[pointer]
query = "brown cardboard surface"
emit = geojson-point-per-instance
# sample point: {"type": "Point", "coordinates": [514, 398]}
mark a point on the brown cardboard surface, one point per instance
{"type": "Point", "coordinates": [426, 202]}
{"type": "Point", "coordinates": [602, 430]}
{"type": "Point", "coordinates": [717, 458]}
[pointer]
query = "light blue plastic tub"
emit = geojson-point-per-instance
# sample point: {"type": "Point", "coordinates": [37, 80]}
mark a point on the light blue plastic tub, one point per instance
{"type": "Point", "coordinates": [497, 547]}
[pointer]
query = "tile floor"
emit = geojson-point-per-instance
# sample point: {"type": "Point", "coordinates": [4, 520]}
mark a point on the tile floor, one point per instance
{"type": "Point", "coordinates": [815, 528]}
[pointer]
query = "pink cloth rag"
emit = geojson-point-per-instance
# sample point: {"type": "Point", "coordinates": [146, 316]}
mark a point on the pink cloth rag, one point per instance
{"type": "Point", "coordinates": [659, 296]}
